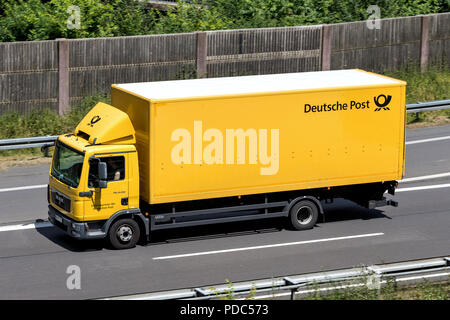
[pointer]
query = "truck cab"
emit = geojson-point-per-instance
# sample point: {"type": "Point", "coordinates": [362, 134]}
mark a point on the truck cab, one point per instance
{"type": "Point", "coordinates": [94, 177]}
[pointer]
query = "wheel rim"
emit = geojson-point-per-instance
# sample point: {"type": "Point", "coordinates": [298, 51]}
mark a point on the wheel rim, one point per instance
{"type": "Point", "coordinates": [304, 215]}
{"type": "Point", "coordinates": [125, 233]}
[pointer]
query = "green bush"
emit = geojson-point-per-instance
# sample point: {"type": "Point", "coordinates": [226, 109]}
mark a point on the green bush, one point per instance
{"type": "Point", "coordinates": [46, 122]}
{"type": "Point", "coordinates": [429, 86]}
{"type": "Point", "coordinates": [190, 17]}
{"type": "Point", "coordinates": [269, 13]}
{"type": "Point", "coordinates": [36, 20]}
{"type": "Point", "coordinates": [41, 20]}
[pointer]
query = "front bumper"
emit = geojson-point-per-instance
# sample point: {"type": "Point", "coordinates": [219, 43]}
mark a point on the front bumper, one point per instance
{"type": "Point", "coordinates": [75, 229]}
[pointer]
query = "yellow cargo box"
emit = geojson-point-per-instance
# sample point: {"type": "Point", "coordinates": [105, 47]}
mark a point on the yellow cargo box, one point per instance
{"type": "Point", "coordinates": [221, 137]}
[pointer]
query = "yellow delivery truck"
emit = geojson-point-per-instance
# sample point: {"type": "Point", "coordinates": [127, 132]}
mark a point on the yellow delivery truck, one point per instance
{"type": "Point", "coordinates": [191, 152]}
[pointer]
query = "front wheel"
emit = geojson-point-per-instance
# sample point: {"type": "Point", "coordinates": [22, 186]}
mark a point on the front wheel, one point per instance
{"type": "Point", "coordinates": [124, 234]}
{"type": "Point", "coordinates": [303, 215]}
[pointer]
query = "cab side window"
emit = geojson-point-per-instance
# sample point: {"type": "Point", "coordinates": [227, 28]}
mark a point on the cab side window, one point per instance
{"type": "Point", "coordinates": [115, 167]}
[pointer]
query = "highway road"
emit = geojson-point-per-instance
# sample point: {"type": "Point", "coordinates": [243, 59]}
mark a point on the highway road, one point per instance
{"type": "Point", "coordinates": [34, 257]}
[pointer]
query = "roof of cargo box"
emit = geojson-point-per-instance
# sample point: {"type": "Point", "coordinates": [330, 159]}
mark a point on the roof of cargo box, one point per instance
{"type": "Point", "coordinates": [176, 89]}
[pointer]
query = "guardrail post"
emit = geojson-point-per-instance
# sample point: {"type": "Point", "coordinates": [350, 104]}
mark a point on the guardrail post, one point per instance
{"type": "Point", "coordinates": [45, 151]}
{"type": "Point", "coordinates": [63, 76]}
{"type": "Point", "coordinates": [325, 56]}
{"type": "Point", "coordinates": [202, 51]}
{"type": "Point", "coordinates": [289, 282]}
{"type": "Point", "coordinates": [424, 46]}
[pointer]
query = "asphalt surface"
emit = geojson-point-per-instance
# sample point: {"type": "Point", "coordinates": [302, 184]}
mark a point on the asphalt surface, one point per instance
{"type": "Point", "coordinates": [33, 262]}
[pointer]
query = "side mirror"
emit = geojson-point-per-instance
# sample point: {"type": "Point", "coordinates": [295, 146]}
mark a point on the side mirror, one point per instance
{"type": "Point", "coordinates": [102, 174]}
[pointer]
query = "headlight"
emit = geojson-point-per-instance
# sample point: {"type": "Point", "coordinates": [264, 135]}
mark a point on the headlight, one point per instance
{"type": "Point", "coordinates": [76, 227]}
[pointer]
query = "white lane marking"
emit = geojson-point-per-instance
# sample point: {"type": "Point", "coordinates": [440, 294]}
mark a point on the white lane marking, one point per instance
{"type": "Point", "coordinates": [25, 226]}
{"type": "Point", "coordinates": [436, 186]}
{"type": "Point", "coordinates": [268, 246]}
{"type": "Point", "coordinates": [431, 176]}
{"type": "Point", "coordinates": [39, 186]}
{"type": "Point", "coordinates": [428, 140]}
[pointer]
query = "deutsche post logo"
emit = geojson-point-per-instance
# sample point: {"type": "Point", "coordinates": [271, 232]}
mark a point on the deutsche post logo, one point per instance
{"type": "Point", "coordinates": [382, 101]}
{"type": "Point", "coordinates": [94, 120]}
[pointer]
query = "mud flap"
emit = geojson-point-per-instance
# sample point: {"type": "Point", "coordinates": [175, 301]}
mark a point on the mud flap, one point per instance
{"type": "Point", "coordinates": [372, 204]}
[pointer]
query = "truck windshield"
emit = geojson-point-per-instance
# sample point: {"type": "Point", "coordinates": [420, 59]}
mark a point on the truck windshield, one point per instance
{"type": "Point", "coordinates": [67, 164]}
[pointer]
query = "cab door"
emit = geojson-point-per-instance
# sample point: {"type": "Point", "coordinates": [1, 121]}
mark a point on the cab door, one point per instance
{"type": "Point", "coordinates": [107, 201]}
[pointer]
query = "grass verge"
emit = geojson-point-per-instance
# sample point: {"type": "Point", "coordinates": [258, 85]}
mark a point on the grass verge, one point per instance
{"type": "Point", "coordinates": [40, 123]}
{"type": "Point", "coordinates": [429, 86]}
{"type": "Point", "coordinates": [425, 290]}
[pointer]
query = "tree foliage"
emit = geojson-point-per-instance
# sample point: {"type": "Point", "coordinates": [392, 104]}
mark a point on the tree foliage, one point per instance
{"type": "Point", "coordinates": [267, 13]}
{"type": "Point", "coordinates": [188, 17]}
{"type": "Point", "coordinates": [47, 19]}
{"type": "Point", "coordinates": [38, 20]}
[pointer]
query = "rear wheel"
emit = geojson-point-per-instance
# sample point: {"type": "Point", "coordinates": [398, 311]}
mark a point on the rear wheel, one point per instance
{"type": "Point", "coordinates": [303, 215]}
{"type": "Point", "coordinates": [124, 234]}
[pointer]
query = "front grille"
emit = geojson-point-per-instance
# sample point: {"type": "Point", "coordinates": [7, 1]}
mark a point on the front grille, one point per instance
{"type": "Point", "coordinates": [61, 200]}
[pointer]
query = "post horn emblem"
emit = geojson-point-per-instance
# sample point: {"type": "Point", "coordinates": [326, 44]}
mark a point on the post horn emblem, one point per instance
{"type": "Point", "coordinates": [382, 105]}
{"type": "Point", "coordinates": [94, 120]}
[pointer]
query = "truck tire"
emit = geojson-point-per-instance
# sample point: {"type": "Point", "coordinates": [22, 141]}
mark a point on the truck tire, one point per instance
{"type": "Point", "coordinates": [303, 215]}
{"type": "Point", "coordinates": [124, 234]}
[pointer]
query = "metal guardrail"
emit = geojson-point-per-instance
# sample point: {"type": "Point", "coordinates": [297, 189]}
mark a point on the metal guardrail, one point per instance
{"type": "Point", "coordinates": [374, 276]}
{"type": "Point", "coordinates": [45, 142]}
{"type": "Point", "coordinates": [427, 106]}
{"type": "Point", "coordinates": [34, 142]}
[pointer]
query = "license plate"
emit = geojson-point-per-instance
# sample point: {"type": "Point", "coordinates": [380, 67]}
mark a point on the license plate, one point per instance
{"type": "Point", "coordinates": [58, 218]}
